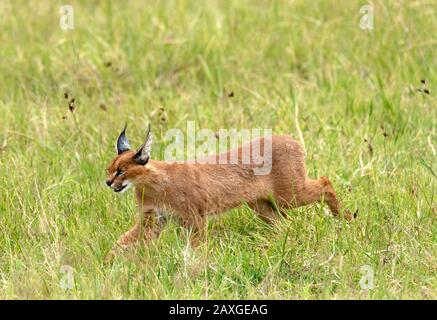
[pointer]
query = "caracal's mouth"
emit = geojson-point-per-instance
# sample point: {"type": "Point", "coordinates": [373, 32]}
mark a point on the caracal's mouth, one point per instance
{"type": "Point", "coordinates": [121, 188]}
{"type": "Point", "coordinates": [126, 185]}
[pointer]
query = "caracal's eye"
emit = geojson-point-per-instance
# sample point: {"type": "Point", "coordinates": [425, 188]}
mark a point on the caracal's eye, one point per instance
{"type": "Point", "coordinates": [120, 172]}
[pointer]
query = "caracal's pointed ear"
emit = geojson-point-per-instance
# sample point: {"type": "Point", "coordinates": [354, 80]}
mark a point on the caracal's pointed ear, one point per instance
{"type": "Point", "coordinates": [142, 155]}
{"type": "Point", "coordinates": [122, 142]}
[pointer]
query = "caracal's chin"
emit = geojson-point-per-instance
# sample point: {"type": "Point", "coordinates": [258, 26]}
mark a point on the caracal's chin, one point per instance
{"type": "Point", "coordinates": [126, 186]}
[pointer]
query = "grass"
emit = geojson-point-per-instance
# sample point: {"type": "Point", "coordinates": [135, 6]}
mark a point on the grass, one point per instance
{"type": "Point", "coordinates": [125, 62]}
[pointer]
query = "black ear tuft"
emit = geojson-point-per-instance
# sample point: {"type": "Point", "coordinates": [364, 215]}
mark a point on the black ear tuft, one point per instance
{"type": "Point", "coordinates": [142, 155]}
{"type": "Point", "coordinates": [122, 142]}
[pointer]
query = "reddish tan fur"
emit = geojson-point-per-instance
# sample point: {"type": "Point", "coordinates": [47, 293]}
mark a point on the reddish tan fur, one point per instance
{"type": "Point", "coordinates": [192, 191]}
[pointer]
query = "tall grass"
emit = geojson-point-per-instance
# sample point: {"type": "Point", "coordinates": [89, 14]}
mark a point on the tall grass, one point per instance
{"type": "Point", "coordinates": [364, 116]}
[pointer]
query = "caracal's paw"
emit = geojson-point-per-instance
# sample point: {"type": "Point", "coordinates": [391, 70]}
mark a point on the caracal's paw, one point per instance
{"type": "Point", "coordinates": [115, 251]}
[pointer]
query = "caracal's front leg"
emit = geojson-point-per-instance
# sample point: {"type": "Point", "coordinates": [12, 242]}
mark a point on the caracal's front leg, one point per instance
{"type": "Point", "coordinates": [196, 227]}
{"type": "Point", "coordinates": [148, 227]}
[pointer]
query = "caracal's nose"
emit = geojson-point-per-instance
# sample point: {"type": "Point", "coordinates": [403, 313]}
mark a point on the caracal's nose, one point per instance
{"type": "Point", "coordinates": [108, 182]}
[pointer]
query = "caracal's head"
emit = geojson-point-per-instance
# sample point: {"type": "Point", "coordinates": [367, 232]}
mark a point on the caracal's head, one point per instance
{"type": "Point", "coordinates": [125, 169]}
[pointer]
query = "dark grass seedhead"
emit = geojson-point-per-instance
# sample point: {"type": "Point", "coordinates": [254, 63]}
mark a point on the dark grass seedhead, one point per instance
{"type": "Point", "coordinates": [369, 146]}
{"type": "Point", "coordinates": [384, 132]}
{"type": "Point", "coordinates": [71, 105]}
